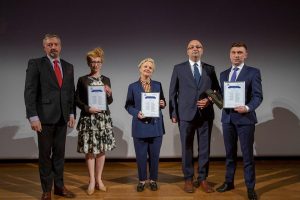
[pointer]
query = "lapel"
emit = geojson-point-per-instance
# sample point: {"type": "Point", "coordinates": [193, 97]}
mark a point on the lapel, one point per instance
{"type": "Point", "coordinates": [50, 70]}
{"type": "Point", "coordinates": [226, 74]}
{"type": "Point", "coordinates": [243, 74]}
{"type": "Point", "coordinates": [188, 72]}
{"type": "Point", "coordinates": [64, 72]}
{"type": "Point", "coordinates": [204, 76]}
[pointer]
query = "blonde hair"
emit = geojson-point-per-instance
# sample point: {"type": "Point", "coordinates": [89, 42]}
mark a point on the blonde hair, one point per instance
{"type": "Point", "coordinates": [147, 60]}
{"type": "Point", "coordinates": [95, 53]}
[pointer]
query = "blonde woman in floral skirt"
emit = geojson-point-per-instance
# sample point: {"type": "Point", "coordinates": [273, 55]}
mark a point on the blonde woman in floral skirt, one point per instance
{"type": "Point", "coordinates": [95, 129]}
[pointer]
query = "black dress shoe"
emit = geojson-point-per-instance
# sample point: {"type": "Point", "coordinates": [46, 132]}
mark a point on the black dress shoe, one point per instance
{"type": "Point", "coordinates": [252, 194]}
{"type": "Point", "coordinates": [153, 186]}
{"type": "Point", "coordinates": [140, 187]}
{"type": "Point", "coordinates": [225, 187]}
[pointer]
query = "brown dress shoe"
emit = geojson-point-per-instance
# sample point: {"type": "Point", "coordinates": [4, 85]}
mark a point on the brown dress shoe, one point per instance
{"type": "Point", "coordinates": [63, 192]}
{"type": "Point", "coordinates": [46, 196]}
{"type": "Point", "coordinates": [188, 186]}
{"type": "Point", "coordinates": [206, 187]}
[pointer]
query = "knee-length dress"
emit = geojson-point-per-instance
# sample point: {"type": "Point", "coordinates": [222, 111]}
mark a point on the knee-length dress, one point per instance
{"type": "Point", "coordinates": [95, 131]}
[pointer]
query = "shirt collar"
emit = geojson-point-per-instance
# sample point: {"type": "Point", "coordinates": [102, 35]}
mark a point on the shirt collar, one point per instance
{"type": "Point", "coordinates": [239, 66]}
{"type": "Point", "coordinates": [192, 62]}
{"type": "Point", "coordinates": [51, 59]}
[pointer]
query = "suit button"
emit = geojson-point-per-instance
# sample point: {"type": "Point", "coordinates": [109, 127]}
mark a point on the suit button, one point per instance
{"type": "Point", "coordinates": [146, 122]}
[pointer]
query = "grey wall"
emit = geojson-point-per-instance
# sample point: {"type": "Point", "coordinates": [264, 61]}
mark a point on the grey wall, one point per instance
{"type": "Point", "coordinates": [129, 31]}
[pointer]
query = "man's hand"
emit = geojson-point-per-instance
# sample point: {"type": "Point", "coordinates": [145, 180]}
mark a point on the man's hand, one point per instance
{"type": "Point", "coordinates": [71, 122]}
{"type": "Point", "coordinates": [241, 109]}
{"type": "Point", "coordinates": [203, 103]}
{"type": "Point", "coordinates": [36, 125]}
{"type": "Point", "coordinates": [174, 120]}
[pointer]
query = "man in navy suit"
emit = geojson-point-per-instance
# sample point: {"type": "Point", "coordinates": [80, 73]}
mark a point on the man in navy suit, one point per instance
{"type": "Point", "coordinates": [239, 123]}
{"type": "Point", "coordinates": [49, 101]}
{"type": "Point", "coordinates": [191, 108]}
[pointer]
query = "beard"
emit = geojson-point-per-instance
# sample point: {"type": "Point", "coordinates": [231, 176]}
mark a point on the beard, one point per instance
{"type": "Point", "coordinates": [53, 54]}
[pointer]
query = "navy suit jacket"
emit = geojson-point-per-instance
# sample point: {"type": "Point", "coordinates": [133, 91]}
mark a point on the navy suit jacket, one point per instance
{"type": "Point", "coordinates": [43, 96]}
{"type": "Point", "coordinates": [184, 92]}
{"type": "Point", "coordinates": [254, 95]}
{"type": "Point", "coordinates": [147, 127]}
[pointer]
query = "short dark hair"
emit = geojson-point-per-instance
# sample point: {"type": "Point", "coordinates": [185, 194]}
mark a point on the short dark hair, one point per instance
{"type": "Point", "coordinates": [239, 44]}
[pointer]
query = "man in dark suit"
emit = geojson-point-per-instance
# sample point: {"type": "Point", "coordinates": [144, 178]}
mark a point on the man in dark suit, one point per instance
{"type": "Point", "coordinates": [191, 108]}
{"type": "Point", "coordinates": [50, 108]}
{"type": "Point", "coordinates": [239, 123]}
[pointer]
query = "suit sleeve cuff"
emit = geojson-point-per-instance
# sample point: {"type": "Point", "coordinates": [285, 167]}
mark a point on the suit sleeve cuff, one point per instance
{"type": "Point", "coordinates": [34, 119]}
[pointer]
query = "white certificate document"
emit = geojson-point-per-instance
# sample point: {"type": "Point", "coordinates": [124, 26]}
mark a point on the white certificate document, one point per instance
{"type": "Point", "coordinates": [234, 94]}
{"type": "Point", "coordinates": [97, 96]}
{"type": "Point", "coordinates": [150, 104]}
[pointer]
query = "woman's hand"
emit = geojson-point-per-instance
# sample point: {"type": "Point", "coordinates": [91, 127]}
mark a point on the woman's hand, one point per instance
{"type": "Point", "coordinates": [140, 115]}
{"type": "Point", "coordinates": [162, 103]}
{"type": "Point", "coordinates": [107, 90]}
{"type": "Point", "coordinates": [94, 110]}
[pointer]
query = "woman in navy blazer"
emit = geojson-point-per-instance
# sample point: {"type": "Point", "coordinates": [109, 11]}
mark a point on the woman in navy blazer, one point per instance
{"type": "Point", "coordinates": [146, 132]}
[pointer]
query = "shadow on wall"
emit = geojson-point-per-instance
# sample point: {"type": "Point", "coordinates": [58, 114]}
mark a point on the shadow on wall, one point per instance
{"type": "Point", "coordinates": [71, 144]}
{"type": "Point", "coordinates": [279, 136]}
{"type": "Point", "coordinates": [16, 148]}
{"type": "Point", "coordinates": [122, 146]}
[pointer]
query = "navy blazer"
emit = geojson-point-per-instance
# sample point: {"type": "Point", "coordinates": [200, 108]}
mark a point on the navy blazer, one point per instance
{"type": "Point", "coordinates": [147, 127]}
{"type": "Point", "coordinates": [184, 92]}
{"type": "Point", "coordinates": [254, 95]}
{"type": "Point", "coordinates": [43, 96]}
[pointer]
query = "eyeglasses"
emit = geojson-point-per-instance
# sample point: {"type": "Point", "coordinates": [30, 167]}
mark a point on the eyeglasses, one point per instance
{"type": "Point", "coordinates": [95, 62]}
{"type": "Point", "coordinates": [197, 47]}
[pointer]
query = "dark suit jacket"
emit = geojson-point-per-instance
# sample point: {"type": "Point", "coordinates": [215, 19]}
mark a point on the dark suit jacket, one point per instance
{"type": "Point", "coordinates": [81, 95]}
{"type": "Point", "coordinates": [254, 95]}
{"type": "Point", "coordinates": [184, 92]}
{"type": "Point", "coordinates": [147, 127]}
{"type": "Point", "coordinates": [43, 96]}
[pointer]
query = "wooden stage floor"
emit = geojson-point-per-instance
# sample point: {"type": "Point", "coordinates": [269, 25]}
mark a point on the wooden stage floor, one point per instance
{"type": "Point", "coordinates": [276, 180]}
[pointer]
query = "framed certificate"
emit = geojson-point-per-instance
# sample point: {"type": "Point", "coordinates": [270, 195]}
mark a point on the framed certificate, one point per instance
{"type": "Point", "coordinates": [97, 97]}
{"type": "Point", "coordinates": [234, 94]}
{"type": "Point", "coordinates": [150, 104]}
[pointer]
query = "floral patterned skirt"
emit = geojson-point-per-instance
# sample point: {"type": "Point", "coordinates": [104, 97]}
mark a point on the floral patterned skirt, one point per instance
{"type": "Point", "coordinates": [95, 134]}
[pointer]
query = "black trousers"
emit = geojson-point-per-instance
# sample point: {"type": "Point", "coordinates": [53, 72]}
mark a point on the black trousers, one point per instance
{"type": "Point", "coordinates": [188, 129]}
{"type": "Point", "coordinates": [51, 142]}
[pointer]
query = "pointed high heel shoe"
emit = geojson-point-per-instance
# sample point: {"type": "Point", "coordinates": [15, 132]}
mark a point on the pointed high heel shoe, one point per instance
{"type": "Point", "coordinates": [90, 190]}
{"type": "Point", "coordinates": [101, 188]}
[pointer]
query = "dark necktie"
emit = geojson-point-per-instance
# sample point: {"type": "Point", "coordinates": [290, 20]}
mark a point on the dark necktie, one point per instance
{"type": "Point", "coordinates": [233, 77]}
{"type": "Point", "coordinates": [57, 72]}
{"type": "Point", "coordinates": [197, 75]}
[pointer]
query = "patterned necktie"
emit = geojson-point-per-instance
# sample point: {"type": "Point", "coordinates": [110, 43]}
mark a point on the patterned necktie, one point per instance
{"type": "Point", "coordinates": [233, 77]}
{"type": "Point", "coordinates": [57, 72]}
{"type": "Point", "coordinates": [197, 75]}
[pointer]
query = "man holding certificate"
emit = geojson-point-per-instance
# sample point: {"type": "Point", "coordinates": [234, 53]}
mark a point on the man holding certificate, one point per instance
{"type": "Point", "coordinates": [145, 99]}
{"type": "Point", "coordinates": [242, 93]}
{"type": "Point", "coordinates": [191, 108]}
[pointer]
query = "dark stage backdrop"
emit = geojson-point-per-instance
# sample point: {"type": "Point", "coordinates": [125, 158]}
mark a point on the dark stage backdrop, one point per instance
{"type": "Point", "coordinates": [129, 31]}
